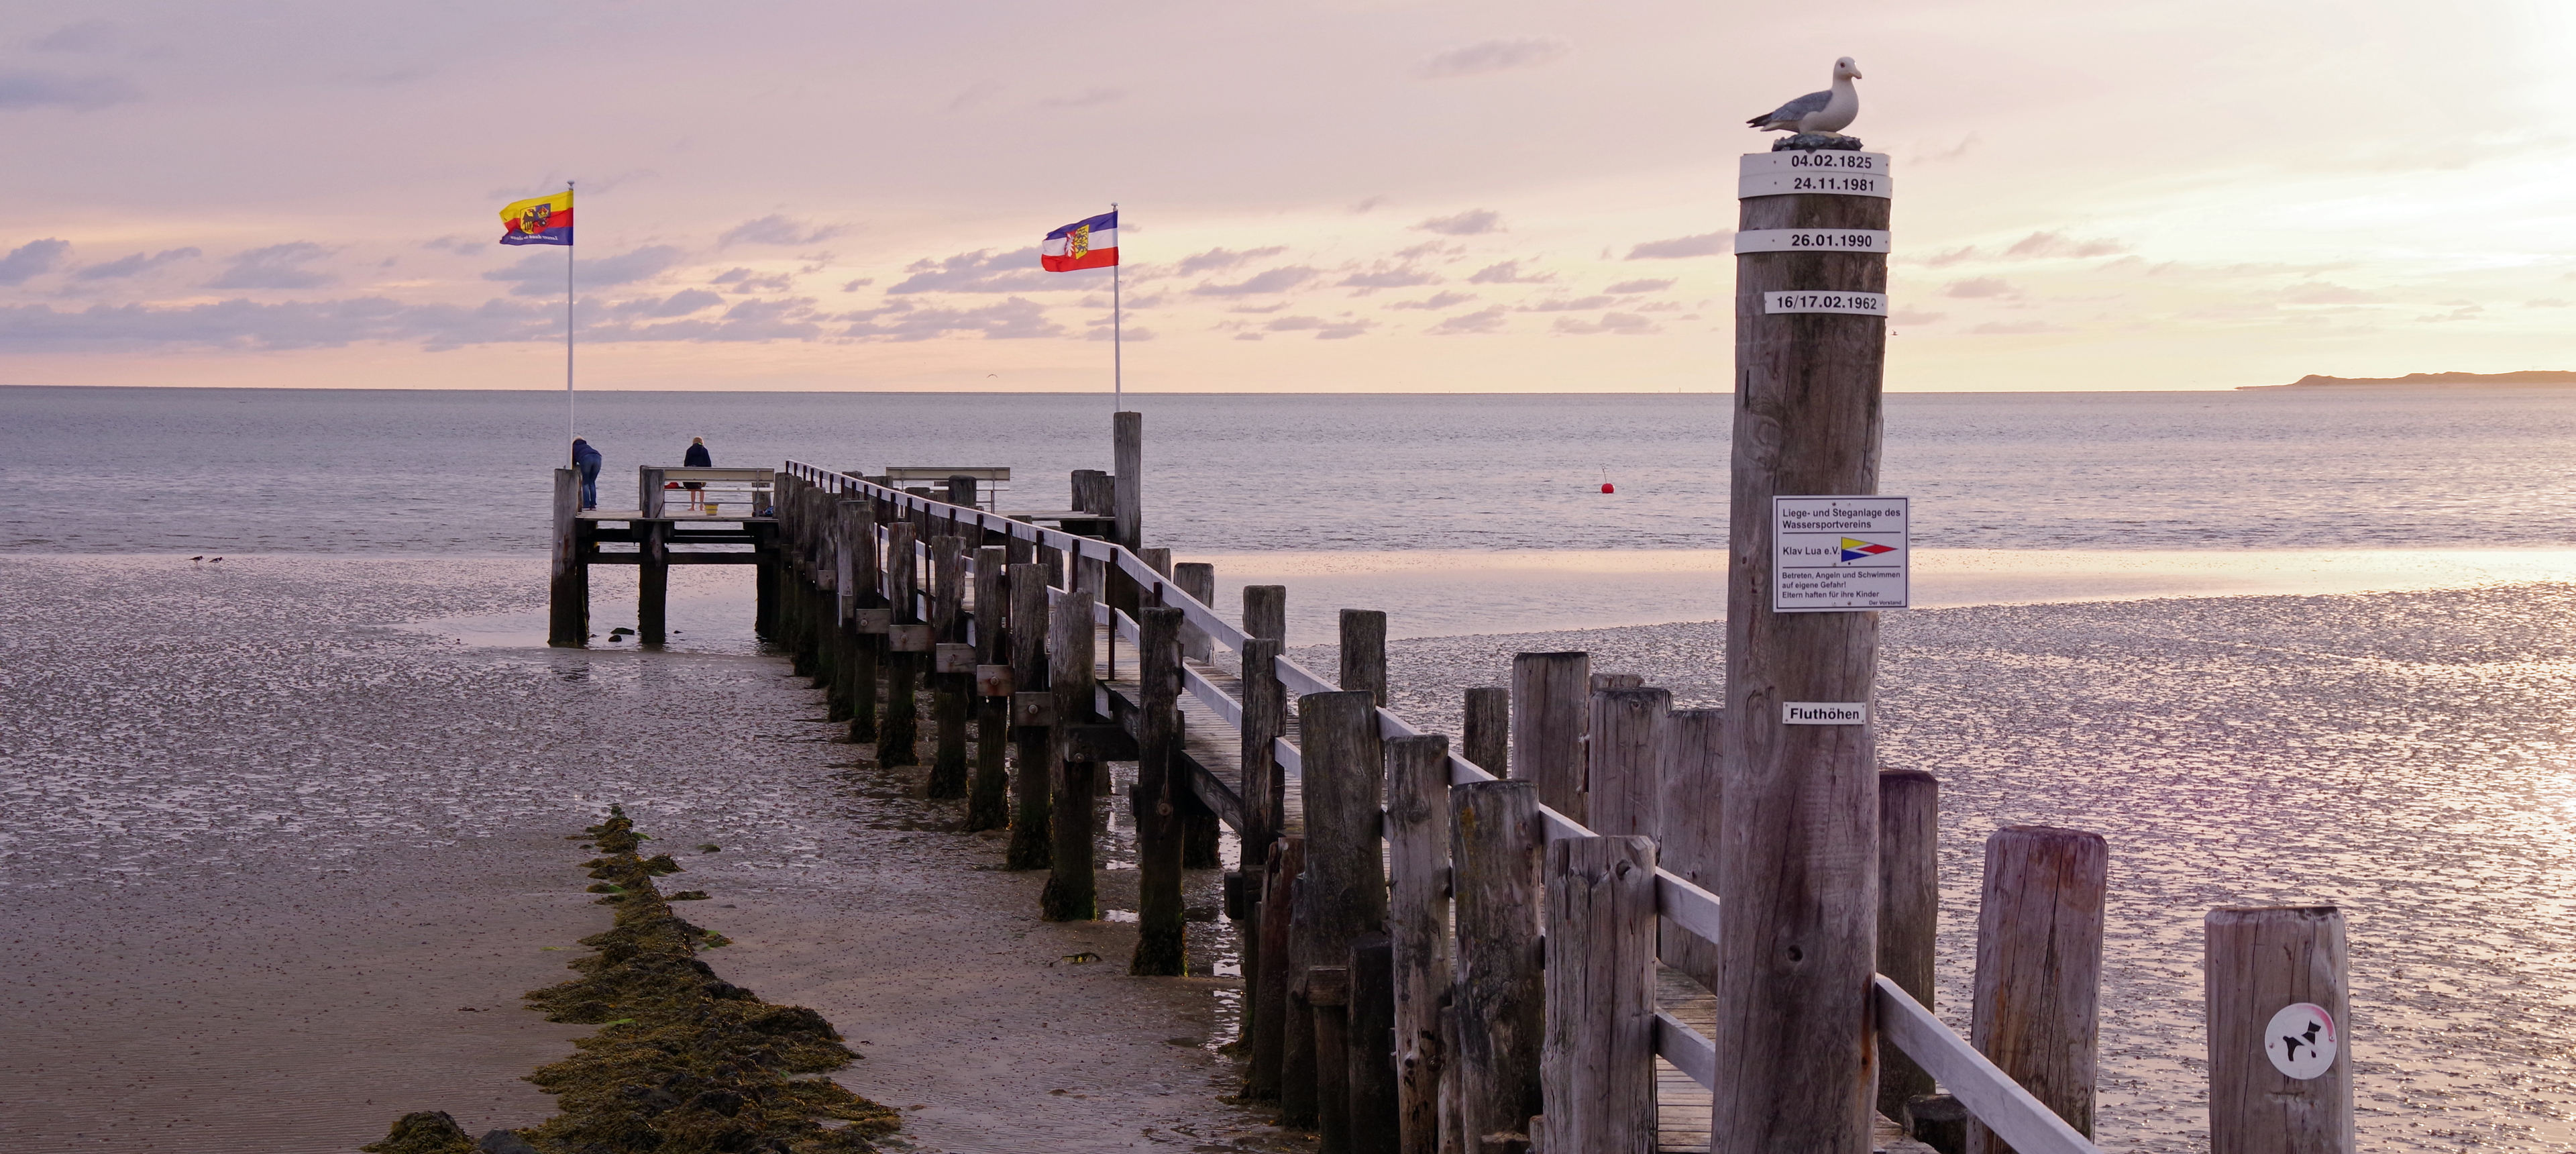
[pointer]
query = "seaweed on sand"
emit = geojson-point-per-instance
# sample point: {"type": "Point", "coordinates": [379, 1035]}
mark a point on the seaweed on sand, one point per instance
{"type": "Point", "coordinates": [684, 1062]}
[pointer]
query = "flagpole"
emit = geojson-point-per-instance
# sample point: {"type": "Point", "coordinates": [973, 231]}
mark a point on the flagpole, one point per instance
{"type": "Point", "coordinates": [1117, 334]}
{"type": "Point", "coordinates": [570, 428]}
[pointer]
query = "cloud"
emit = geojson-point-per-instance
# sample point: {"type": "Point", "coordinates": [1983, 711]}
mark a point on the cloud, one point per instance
{"type": "Point", "coordinates": [1473, 222]}
{"type": "Point", "coordinates": [1488, 320]}
{"type": "Point", "coordinates": [242, 324]}
{"type": "Point", "coordinates": [776, 229]}
{"type": "Point", "coordinates": [1221, 259]}
{"type": "Point", "coordinates": [1258, 310]}
{"type": "Point", "coordinates": [460, 245]}
{"type": "Point", "coordinates": [858, 284]}
{"type": "Point", "coordinates": [976, 93]}
{"type": "Point", "coordinates": [2053, 244]}
{"type": "Point", "coordinates": [1384, 277]}
{"type": "Point", "coordinates": [743, 280]}
{"type": "Point", "coordinates": [279, 266]}
{"type": "Point", "coordinates": [1950, 257]}
{"type": "Point", "coordinates": [136, 264]}
{"type": "Point", "coordinates": [32, 259]}
{"type": "Point", "coordinates": [24, 89]}
{"type": "Point", "coordinates": [2325, 293]}
{"type": "Point", "coordinates": [1573, 305]}
{"type": "Point", "coordinates": [1096, 96]}
{"type": "Point", "coordinates": [2017, 328]}
{"type": "Point", "coordinates": [1017, 318]}
{"type": "Point", "coordinates": [1276, 280]}
{"type": "Point", "coordinates": [1705, 244]}
{"type": "Point", "coordinates": [1630, 287]}
{"type": "Point", "coordinates": [1324, 330]}
{"type": "Point", "coordinates": [542, 274]}
{"type": "Point", "coordinates": [81, 36]}
{"type": "Point", "coordinates": [1914, 317]}
{"type": "Point", "coordinates": [1618, 324]}
{"type": "Point", "coordinates": [1978, 288]}
{"type": "Point", "coordinates": [984, 271]}
{"type": "Point", "coordinates": [678, 304]}
{"type": "Point", "coordinates": [1486, 56]}
{"type": "Point", "coordinates": [1361, 207]}
{"type": "Point", "coordinates": [2545, 303]}
{"type": "Point", "coordinates": [1508, 272]}
{"type": "Point", "coordinates": [1435, 301]}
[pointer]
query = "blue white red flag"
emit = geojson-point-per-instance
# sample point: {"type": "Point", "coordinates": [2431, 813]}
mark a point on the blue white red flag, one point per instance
{"type": "Point", "coordinates": [1089, 243]}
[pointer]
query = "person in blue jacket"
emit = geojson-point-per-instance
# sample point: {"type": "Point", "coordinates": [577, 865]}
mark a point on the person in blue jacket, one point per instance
{"type": "Point", "coordinates": [585, 460]}
{"type": "Point", "coordinates": [696, 458]}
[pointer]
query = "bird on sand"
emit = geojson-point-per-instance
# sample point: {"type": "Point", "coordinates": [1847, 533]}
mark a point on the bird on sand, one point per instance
{"type": "Point", "coordinates": [1824, 113]}
{"type": "Point", "coordinates": [198, 557]}
{"type": "Point", "coordinates": [214, 558]}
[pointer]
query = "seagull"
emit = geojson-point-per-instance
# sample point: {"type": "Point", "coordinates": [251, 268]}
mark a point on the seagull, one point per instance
{"type": "Point", "coordinates": [214, 558]}
{"type": "Point", "coordinates": [198, 557]}
{"type": "Point", "coordinates": [1824, 113]}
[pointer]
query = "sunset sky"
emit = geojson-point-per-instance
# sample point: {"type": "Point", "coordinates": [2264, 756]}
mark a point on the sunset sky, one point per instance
{"type": "Point", "coordinates": [1327, 196]}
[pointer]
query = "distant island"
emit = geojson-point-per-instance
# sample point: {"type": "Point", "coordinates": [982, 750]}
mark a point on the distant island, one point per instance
{"type": "Point", "coordinates": [2417, 380]}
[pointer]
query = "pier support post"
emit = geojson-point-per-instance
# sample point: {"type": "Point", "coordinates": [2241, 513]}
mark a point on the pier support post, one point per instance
{"type": "Point", "coordinates": [2039, 969]}
{"type": "Point", "coordinates": [1417, 921]}
{"type": "Point", "coordinates": [949, 687]}
{"type": "Point", "coordinates": [1600, 981]}
{"type": "Point", "coordinates": [1628, 729]}
{"type": "Point", "coordinates": [1550, 694]}
{"type": "Point", "coordinates": [1032, 728]}
{"type": "Point", "coordinates": [899, 732]}
{"type": "Point", "coordinates": [1374, 1124]}
{"type": "Point", "coordinates": [1328, 994]}
{"type": "Point", "coordinates": [1692, 823]}
{"type": "Point", "coordinates": [867, 650]}
{"type": "Point", "coordinates": [1798, 867]}
{"type": "Point", "coordinates": [1486, 739]}
{"type": "Point", "coordinates": [568, 583]}
{"type": "Point", "coordinates": [1072, 891]}
{"type": "Point", "coordinates": [653, 583]}
{"type": "Point", "coordinates": [1159, 784]}
{"type": "Point", "coordinates": [987, 802]}
{"type": "Point", "coordinates": [2278, 966]}
{"type": "Point", "coordinates": [1344, 778]}
{"type": "Point", "coordinates": [1909, 913]}
{"type": "Point", "coordinates": [1363, 652]}
{"type": "Point", "coordinates": [1494, 850]}
{"type": "Point", "coordinates": [1198, 579]}
{"type": "Point", "coordinates": [1268, 992]}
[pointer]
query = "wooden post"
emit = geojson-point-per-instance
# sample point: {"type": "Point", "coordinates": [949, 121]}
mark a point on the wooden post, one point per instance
{"type": "Point", "coordinates": [1374, 1127]}
{"type": "Point", "coordinates": [1494, 847]}
{"type": "Point", "coordinates": [1909, 913]}
{"type": "Point", "coordinates": [1328, 994]}
{"type": "Point", "coordinates": [1626, 750]}
{"type": "Point", "coordinates": [987, 801]}
{"type": "Point", "coordinates": [2039, 968]}
{"type": "Point", "coordinates": [1345, 882]}
{"type": "Point", "coordinates": [1693, 816]}
{"type": "Point", "coordinates": [1032, 737]}
{"type": "Point", "coordinates": [1159, 783]}
{"type": "Point", "coordinates": [901, 727]}
{"type": "Point", "coordinates": [653, 583]}
{"type": "Point", "coordinates": [2260, 963]}
{"type": "Point", "coordinates": [950, 689]}
{"type": "Point", "coordinates": [1198, 579]}
{"type": "Point", "coordinates": [1597, 1067]}
{"type": "Point", "coordinates": [961, 491]}
{"type": "Point", "coordinates": [1417, 921]}
{"type": "Point", "coordinates": [868, 649]}
{"type": "Point", "coordinates": [1265, 720]}
{"type": "Point", "coordinates": [1364, 652]}
{"type": "Point", "coordinates": [1127, 432]}
{"type": "Point", "coordinates": [1550, 695]}
{"type": "Point", "coordinates": [1798, 865]}
{"type": "Point", "coordinates": [568, 584]}
{"type": "Point", "coordinates": [1297, 1026]}
{"type": "Point", "coordinates": [1269, 987]}
{"type": "Point", "coordinates": [1488, 733]}
{"type": "Point", "coordinates": [1601, 681]}
{"type": "Point", "coordinates": [1072, 889]}
{"type": "Point", "coordinates": [1265, 612]}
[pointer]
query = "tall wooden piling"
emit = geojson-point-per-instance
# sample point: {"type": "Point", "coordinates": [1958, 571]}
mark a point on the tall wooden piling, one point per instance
{"type": "Point", "coordinates": [568, 578]}
{"type": "Point", "coordinates": [1494, 849]}
{"type": "Point", "coordinates": [1693, 819]}
{"type": "Point", "coordinates": [1269, 992]}
{"type": "Point", "coordinates": [988, 799]}
{"type": "Point", "coordinates": [1374, 1124]}
{"type": "Point", "coordinates": [1343, 777]}
{"type": "Point", "coordinates": [1127, 502]}
{"type": "Point", "coordinates": [1909, 913]}
{"type": "Point", "coordinates": [1265, 721]}
{"type": "Point", "coordinates": [1363, 652]}
{"type": "Point", "coordinates": [950, 688]}
{"type": "Point", "coordinates": [898, 733]}
{"type": "Point", "coordinates": [1550, 694]}
{"type": "Point", "coordinates": [2039, 968]}
{"type": "Point", "coordinates": [1486, 738]}
{"type": "Point", "coordinates": [1417, 921]}
{"type": "Point", "coordinates": [1265, 612]}
{"type": "Point", "coordinates": [1798, 871]}
{"type": "Point", "coordinates": [1600, 984]}
{"type": "Point", "coordinates": [1328, 996]}
{"type": "Point", "coordinates": [1198, 579]}
{"type": "Point", "coordinates": [867, 602]}
{"type": "Point", "coordinates": [1032, 722]}
{"type": "Point", "coordinates": [1072, 889]}
{"type": "Point", "coordinates": [1159, 782]}
{"type": "Point", "coordinates": [2280, 1012]}
{"type": "Point", "coordinates": [1625, 751]}
{"type": "Point", "coordinates": [1297, 1018]}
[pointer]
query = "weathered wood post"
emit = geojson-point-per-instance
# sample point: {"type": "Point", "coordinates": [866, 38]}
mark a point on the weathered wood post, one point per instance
{"type": "Point", "coordinates": [1268, 993]}
{"type": "Point", "coordinates": [1363, 652]}
{"type": "Point", "coordinates": [1909, 913]}
{"type": "Point", "coordinates": [867, 616]}
{"type": "Point", "coordinates": [1297, 1027]}
{"type": "Point", "coordinates": [1596, 1068]}
{"type": "Point", "coordinates": [908, 649]}
{"type": "Point", "coordinates": [2280, 1055]}
{"type": "Point", "coordinates": [988, 803]}
{"type": "Point", "coordinates": [653, 575]}
{"type": "Point", "coordinates": [1072, 889]}
{"type": "Point", "coordinates": [1328, 996]}
{"type": "Point", "coordinates": [1198, 579]}
{"type": "Point", "coordinates": [1495, 850]}
{"type": "Point", "coordinates": [1628, 730]}
{"type": "Point", "coordinates": [1032, 722]}
{"type": "Point", "coordinates": [953, 664]}
{"type": "Point", "coordinates": [1487, 736]}
{"type": "Point", "coordinates": [1550, 693]}
{"type": "Point", "coordinates": [1159, 782]}
{"type": "Point", "coordinates": [1265, 612]}
{"type": "Point", "coordinates": [1798, 866]}
{"type": "Point", "coordinates": [1375, 1128]}
{"type": "Point", "coordinates": [961, 491]}
{"type": "Point", "coordinates": [1265, 717]}
{"type": "Point", "coordinates": [568, 580]}
{"type": "Point", "coordinates": [1693, 818]}
{"type": "Point", "coordinates": [1417, 921]}
{"type": "Point", "coordinates": [2039, 968]}
{"type": "Point", "coordinates": [1127, 459]}
{"type": "Point", "coordinates": [1345, 883]}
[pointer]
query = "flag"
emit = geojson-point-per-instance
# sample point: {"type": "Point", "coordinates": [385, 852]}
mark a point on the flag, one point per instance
{"type": "Point", "coordinates": [538, 220]}
{"type": "Point", "coordinates": [1089, 243]}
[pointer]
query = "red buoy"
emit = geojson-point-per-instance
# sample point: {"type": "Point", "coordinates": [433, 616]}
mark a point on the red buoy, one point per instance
{"type": "Point", "coordinates": [1605, 487]}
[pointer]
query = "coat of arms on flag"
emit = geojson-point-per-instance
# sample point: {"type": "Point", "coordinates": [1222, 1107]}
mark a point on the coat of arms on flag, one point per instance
{"type": "Point", "coordinates": [538, 220]}
{"type": "Point", "coordinates": [1089, 243]}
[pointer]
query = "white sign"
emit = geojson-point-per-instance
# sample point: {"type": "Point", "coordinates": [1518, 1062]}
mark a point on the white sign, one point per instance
{"type": "Point", "coordinates": [1812, 301]}
{"type": "Point", "coordinates": [1838, 553]}
{"type": "Point", "coordinates": [2301, 1040]}
{"type": "Point", "coordinates": [1830, 171]}
{"type": "Point", "coordinates": [1812, 240]}
{"type": "Point", "coordinates": [1824, 713]}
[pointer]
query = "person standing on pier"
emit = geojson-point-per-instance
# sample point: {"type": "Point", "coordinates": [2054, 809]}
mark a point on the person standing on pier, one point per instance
{"type": "Point", "coordinates": [586, 460]}
{"type": "Point", "coordinates": [697, 458]}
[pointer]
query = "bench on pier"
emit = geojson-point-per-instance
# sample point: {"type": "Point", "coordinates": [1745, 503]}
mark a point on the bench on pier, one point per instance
{"type": "Point", "coordinates": [990, 480]}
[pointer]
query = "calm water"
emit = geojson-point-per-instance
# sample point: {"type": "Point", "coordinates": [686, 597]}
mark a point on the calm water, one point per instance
{"type": "Point", "coordinates": [124, 470]}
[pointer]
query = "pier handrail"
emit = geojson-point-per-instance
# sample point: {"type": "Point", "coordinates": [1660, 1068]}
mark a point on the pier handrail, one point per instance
{"type": "Point", "coordinates": [1989, 1094]}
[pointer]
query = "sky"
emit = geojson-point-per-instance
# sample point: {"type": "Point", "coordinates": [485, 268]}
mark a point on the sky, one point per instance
{"type": "Point", "coordinates": [1336, 195]}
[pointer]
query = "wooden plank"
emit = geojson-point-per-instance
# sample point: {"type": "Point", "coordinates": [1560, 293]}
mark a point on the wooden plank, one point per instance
{"type": "Point", "coordinates": [1598, 1088]}
{"type": "Point", "coordinates": [2258, 962]}
{"type": "Point", "coordinates": [1417, 920]}
{"type": "Point", "coordinates": [2039, 968]}
{"type": "Point", "coordinates": [1995, 1099]}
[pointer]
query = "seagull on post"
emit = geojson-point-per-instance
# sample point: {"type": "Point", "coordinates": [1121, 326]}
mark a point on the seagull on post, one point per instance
{"type": "Point", "coordinates": [1824, 113]}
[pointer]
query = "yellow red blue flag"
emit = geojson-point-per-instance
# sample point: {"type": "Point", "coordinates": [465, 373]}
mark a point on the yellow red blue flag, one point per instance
{"type": "Point", "coordinates": [538, 220]}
